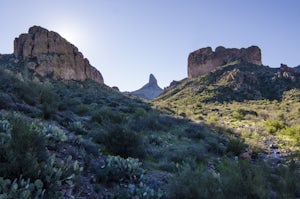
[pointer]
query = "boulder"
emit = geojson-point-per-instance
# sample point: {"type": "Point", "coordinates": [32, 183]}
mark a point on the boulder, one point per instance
{"type": "Point", "coordinates": [51, 55]}
{"type": "Point", "coordinates": [204, 60]}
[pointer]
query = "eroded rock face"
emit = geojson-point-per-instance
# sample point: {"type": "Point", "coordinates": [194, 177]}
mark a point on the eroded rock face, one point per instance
{"type": "Point", "coordinates": [51, 55]}
{"type": "Point", "coordinates": [205, 60]}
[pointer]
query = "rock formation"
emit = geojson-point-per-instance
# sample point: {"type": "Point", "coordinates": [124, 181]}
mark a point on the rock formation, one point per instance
{"type": "Point", "coordinates": [49, 54]}
{"type": "Point", "coordinates": [150, 91]}
{"type": "Point", "coordinates": [205, 60]}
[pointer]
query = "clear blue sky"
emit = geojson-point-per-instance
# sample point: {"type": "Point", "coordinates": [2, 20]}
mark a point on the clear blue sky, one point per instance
{"type": "Point", "coordinates": [126, 40]}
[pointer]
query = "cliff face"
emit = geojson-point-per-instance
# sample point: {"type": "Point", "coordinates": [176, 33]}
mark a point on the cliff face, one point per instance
{"type": "Point", "coordinates": [205, 60]}
{"type": "Point", "coordinates": [51, 55]}
{"type": "Point", "coordinates": [149, 91]}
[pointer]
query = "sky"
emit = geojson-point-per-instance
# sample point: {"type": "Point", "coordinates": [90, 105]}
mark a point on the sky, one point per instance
{"type": "Point", "coordinates": [127, 40]}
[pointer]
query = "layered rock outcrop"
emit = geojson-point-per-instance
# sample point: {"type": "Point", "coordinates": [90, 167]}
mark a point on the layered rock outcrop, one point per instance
{"type": "Point", "coordinates": [149, 91]}
{"type": "Point", "coordinates": [51, 55]}
{"type": "Point", "coordinates": [205, 60]}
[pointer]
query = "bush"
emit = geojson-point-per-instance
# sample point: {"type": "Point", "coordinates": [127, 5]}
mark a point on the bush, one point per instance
{"type": "Point", "coordinates": [24, 149]}
{"type": "Point", "coordinates": [77, 127]}
{"type": "Point", "coordinates": [293, 131]}
{"type": "Point", "coordinates": [273, 126]}
{"type": "Point", "coordinates": [194, 183]}
{"type": "Point", "coordinates": [119, 170]}
{"type": "Point", "coordinates": [129, 177]}
{"type": "Point", "coordinates": [125, 142]}
{"type": "Point", "coordinates": [195, 132]}
{"type": "Point", "coordinates": [23, 153]}
{"type": "Point", "coordinates": [235, 146]}
{"type": "Point", "coordinates": [20, 188]}
{"type": "Point", "coordinates": [49, 101]}
{"type": "Point", "coordinates": [241, 113]}
{"type": "Point", "coordinates": [240, 179]}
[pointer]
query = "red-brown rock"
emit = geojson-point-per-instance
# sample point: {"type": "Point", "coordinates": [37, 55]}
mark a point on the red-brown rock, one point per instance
{"type": "Point", "coordinates": [49, 54]}
{"type": "Point", "coordinates": [205, 60]}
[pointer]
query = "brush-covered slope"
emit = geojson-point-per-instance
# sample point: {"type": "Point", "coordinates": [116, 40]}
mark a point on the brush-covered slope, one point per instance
{"type": "Point", "coordinates": [257, 104]}
{"type": "Point", "coordinates": [236, 81]}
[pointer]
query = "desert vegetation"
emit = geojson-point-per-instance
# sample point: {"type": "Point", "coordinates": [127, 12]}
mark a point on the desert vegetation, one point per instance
{"type": "Point", "coordinates": [65, 139]}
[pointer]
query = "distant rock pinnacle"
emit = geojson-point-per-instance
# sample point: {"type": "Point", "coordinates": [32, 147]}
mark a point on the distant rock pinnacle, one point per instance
{"type": "Point", "coordinates": [152, 80]}
{"type": "Point", "coordinates": [149, 91]}
{"type": "Point", "coordinates": [49, 54]}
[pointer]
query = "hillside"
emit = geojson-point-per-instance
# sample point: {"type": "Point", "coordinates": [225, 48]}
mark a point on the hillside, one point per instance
{"type": "Point", "coordinates": [255, 103]}
{"type": "Point", "coordinates": [72, 137]}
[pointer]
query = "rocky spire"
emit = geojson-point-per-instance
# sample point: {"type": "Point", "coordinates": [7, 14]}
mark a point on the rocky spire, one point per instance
{"type": "Point", "coordinates": [149, 91]}
{"type": "Point", "coordinates": [152, 80]}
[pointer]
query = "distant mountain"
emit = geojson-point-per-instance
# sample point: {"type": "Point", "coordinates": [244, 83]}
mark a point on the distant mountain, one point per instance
{"type": "Point", "coordinates": [297, 68]}
{"type": "Point", "coordinates": [149, 91]}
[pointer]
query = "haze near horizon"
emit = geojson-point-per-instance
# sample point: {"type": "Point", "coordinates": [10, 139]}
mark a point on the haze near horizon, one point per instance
{"type": "Point", "coordinates": [128, 40]}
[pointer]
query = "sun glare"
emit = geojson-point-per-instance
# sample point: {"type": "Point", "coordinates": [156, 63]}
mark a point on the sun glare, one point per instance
{"type": "Point", "coordinates": [74, 33]}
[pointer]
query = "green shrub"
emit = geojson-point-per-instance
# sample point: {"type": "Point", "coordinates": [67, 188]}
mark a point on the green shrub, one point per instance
{"type": "Point", "coordinates": [241, 113]}
{"type": "Point", "coordinates": [77, 127]}
{"type": "Point", "coordinates": [293, 131]}
{"type": "Point", "coordinates": [49, 101]}
{"type": "Point", "coordinates": [273, 126]}
{"type": "Point", "coordinates": [213, 119]}
{"type": "Point", "coordinates": [148, 121]}
{"type": "Point", "coordinates": [119, 170]}
{"type": "Point", "coordinates": [20, 188]}
{"type": "Point", "coordinates": [121, 140]}
{"type": "Point", "coordinates": [28, 91]}
{"type": "Point", "coordinates": [138, 191]}
{"type": "Point", "coordinates": [54, 136]}
{"type": "Point", "coordinates": [194, 183]}
{"type": "Point", "coordinates": [195, 132]}
{"type": "Point", "coordinates": [107, 115]}
{"type": "Point", "coordinates": [5, 101]}
{"type": "Point", "coordinates": [240, 179]}
{"type": "Point", "coordinates": [235, 146]}
{"type": "Point", "coordinates": [25, 149]}
{"type": "Point", "coordinates": [285, 180]}
{"type": "Point", "coordinates": [56, 173]}
{"type": "Point", "coordinates": [82, 109]}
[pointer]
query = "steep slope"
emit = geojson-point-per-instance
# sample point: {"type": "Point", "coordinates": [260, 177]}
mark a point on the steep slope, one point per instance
{"type": "Point", "coordinates": [149, 91]}
{"type": "Point", "coordinates": [255, 103]}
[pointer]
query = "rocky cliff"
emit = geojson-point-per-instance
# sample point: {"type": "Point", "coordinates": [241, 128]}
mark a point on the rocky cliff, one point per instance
{"type": "Point", "coordinates": [49, 54]}
{"type": "Point", "coordinates": [205, 60]}
{"type": "Point", "coordinates": [150, 91]}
